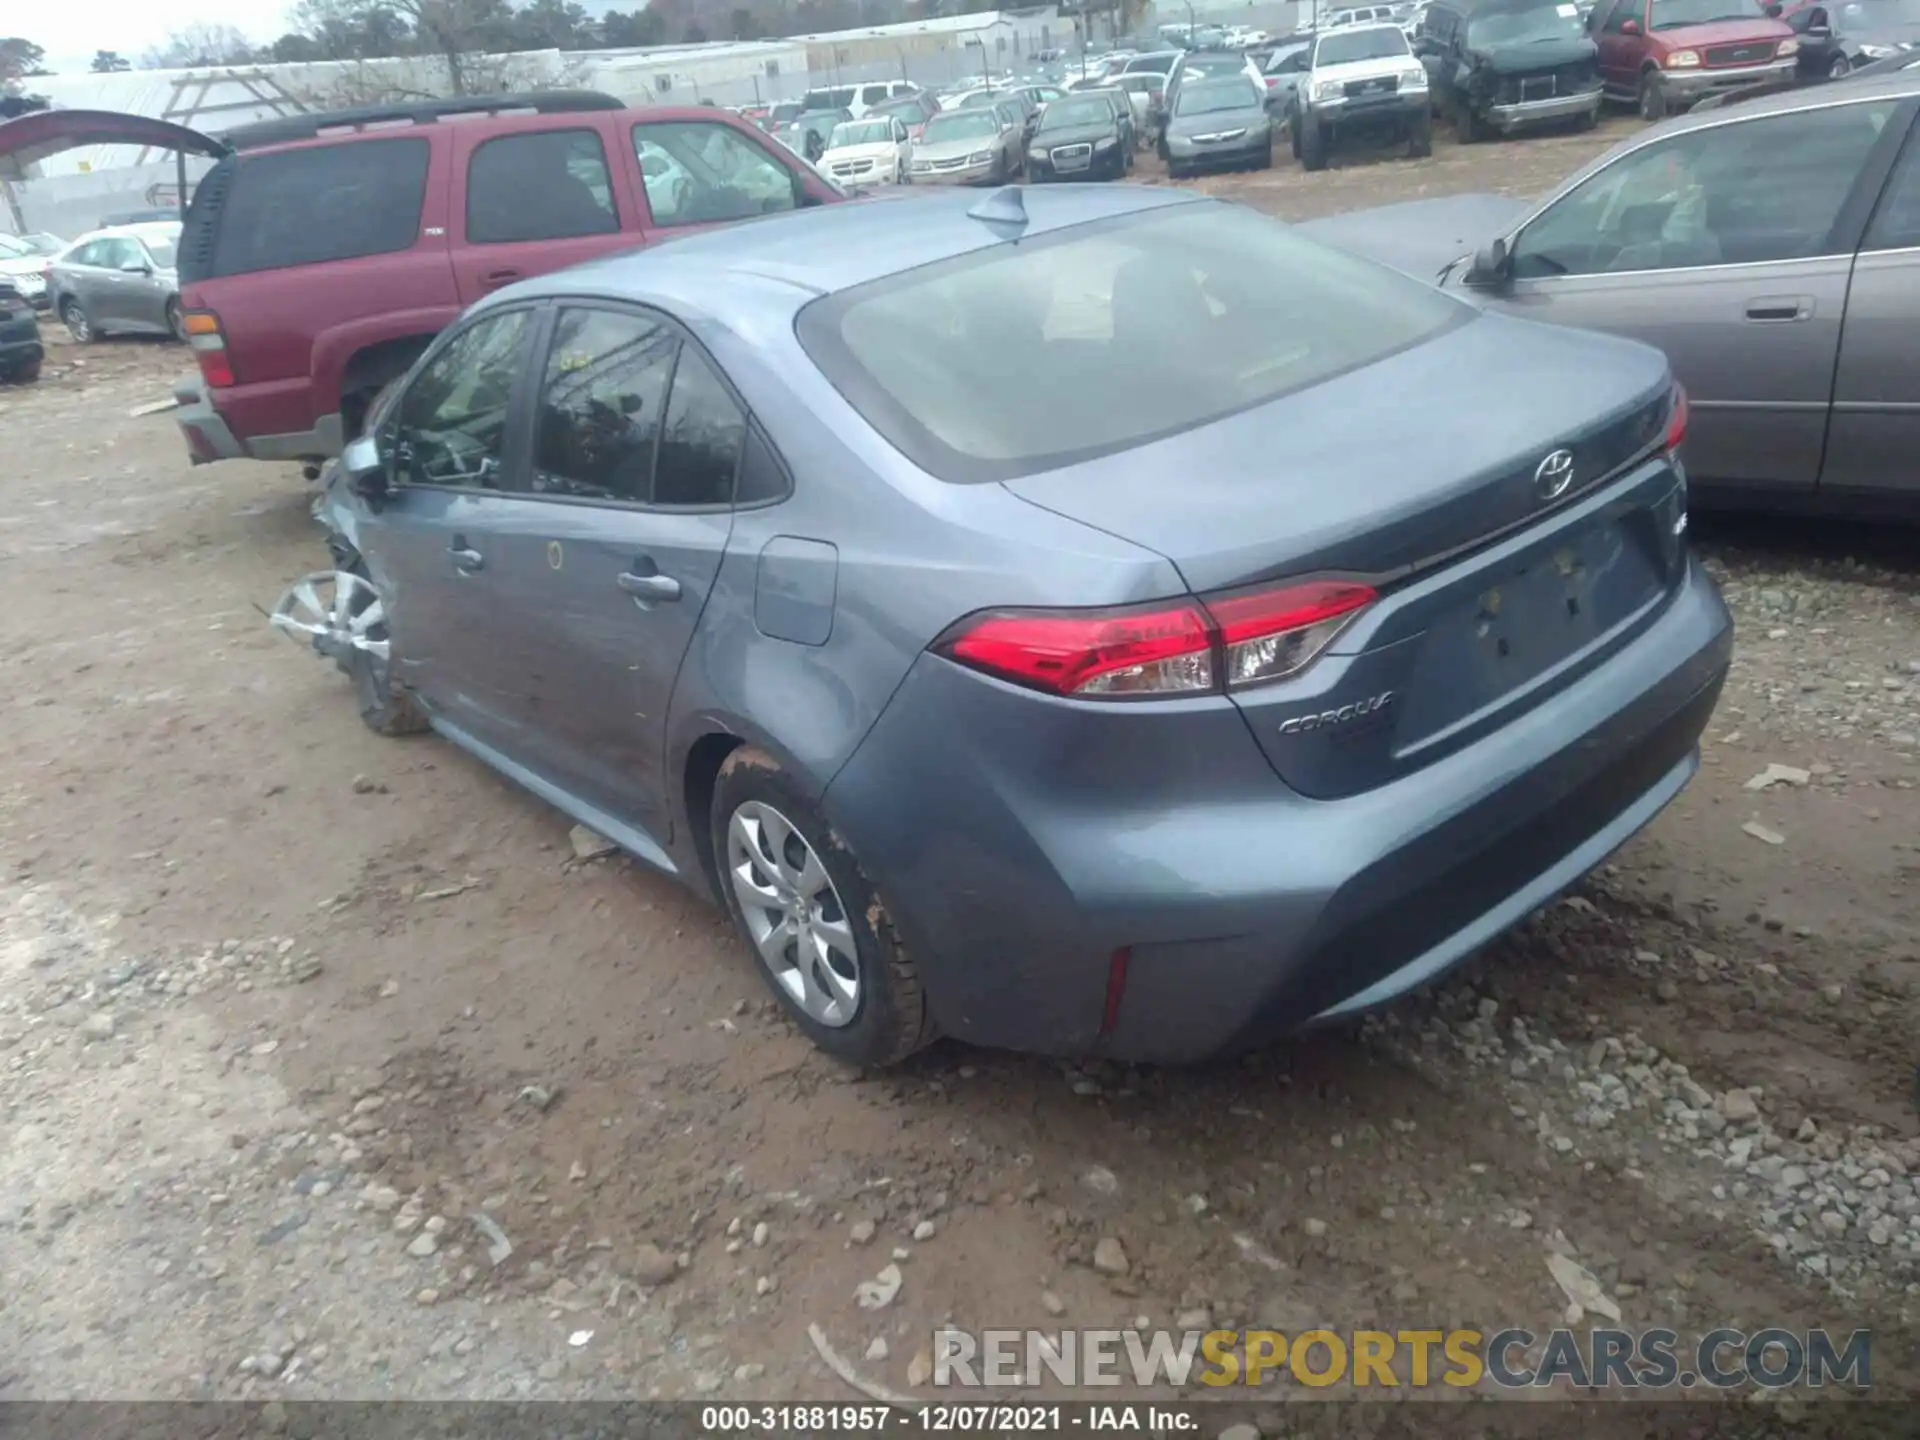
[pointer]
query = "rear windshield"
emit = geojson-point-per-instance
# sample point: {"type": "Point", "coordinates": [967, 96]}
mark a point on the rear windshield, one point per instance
{"type": "Point", "coordinates": [1381, 43]}
{"type": "Point", "coordinates": [327, 202]}
{"type": "Point", "coordinates": [1105, 336]}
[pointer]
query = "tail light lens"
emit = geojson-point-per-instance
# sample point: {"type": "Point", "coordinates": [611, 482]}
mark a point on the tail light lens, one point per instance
{"type": "Point", "coordinates": [209, 344]}
{"type": "Point", "coordinates": [1192, 647]}
{"type": "Point", "coordinates": [1677, 418]}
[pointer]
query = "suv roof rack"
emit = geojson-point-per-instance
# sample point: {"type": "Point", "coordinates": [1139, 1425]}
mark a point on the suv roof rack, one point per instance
{"type": "Point", "coordinates": [422, 112]}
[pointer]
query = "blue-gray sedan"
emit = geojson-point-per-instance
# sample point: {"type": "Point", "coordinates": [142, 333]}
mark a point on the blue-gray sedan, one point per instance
{"type": "Point", "coordinates": [1098, 621]}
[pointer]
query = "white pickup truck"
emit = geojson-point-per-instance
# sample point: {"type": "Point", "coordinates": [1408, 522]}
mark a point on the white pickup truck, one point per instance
{"type": "Point", "coordinates": [1362, 79]}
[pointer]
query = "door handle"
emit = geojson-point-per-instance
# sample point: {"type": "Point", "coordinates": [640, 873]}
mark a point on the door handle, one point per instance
{"type": "Point", "coordinates": [647, 588]}
{"type": "Point", "coordinates": [465, 558]}
{"type": "Point", "coordinates": [494, 279]}
{"type": "Point", "coordinates": [1778, 309]}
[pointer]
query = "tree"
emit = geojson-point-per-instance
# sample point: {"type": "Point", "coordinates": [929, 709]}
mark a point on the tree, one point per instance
{"type": "Point", "coordinates": [745, 25]}
{"type": "Point", "coordinates": [635, 28]}
{"type": "Point", "coordinates": [200, 44]}
{"type": "Point", "coordinates": [109, 62]}
{"type": "Point", "coordinates": [551, 25]}
{"type": "Point", "coordinates": [19, 58]}
{"type": "Point", "coordinates": [695, 34]}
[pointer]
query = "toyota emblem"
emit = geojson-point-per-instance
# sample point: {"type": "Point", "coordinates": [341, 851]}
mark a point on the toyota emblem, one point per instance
{"type": "Point", "coordinates": [1554, 474]}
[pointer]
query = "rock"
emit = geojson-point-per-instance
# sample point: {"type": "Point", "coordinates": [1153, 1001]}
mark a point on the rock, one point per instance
{"type": "Point", "coordinates": [267, 1363]}
{"type": "Point", "coordinates": [1199, 1318]}
{"type": "Point", "coordinates": [1052, 1303]}
{"type": "Point", "coordinates": [878, 1293]}
{"type": "Point", "coordinates": [766, 1285]}
{"type": "Point", "coordinates": [1764, 833]}
{"type": "Point", "coordinates": [1710, 1122]}
{"type": "Point", "coordinates": [1314, 1228]}
{"type": "Point", "coordinates": [367, 785]}
{"type": "Point", "coordinates": [1738, 1107]}
{"type": "Point", "coordinates": [1581, 1287]}
{"type": "Point", "coordinates": [652, 1265]}
{"type": "Point", "coordinates": [760, 1233]}
{"type": "Point", "coordinates": [539, 1097]}
{"type": "Point", "coordinates": [1100, 1180]}
{"type": "Point", "coordinates": [423, 1244]}
{"type": "Point", "coordinates": [925, 1230]}
{"type": "Point", "coordinates": [97, 1026]}
{"type": "Point", "coordinates": [589, 844]}
{"type": "Point", "coordinates": [920, 1368]}
{"type": "Point", "coordinates": [1240, 1432]}
{"type": "Point", "coordinates": [747, 1374]}
{"type": "Point", "coordinates": [499, 1247]}
{"type": "Point", "coordinates": [579, 1338]}
{"type": "Point", "coordinates": [1779, 775]}
{"type": "Point", "coordinates": [1110, 1256]}
{"type": "Point", "coordinates": [1666, 992]}
{"type": "Point", "coordinates": [877, 1348]}
{"type": "Point", "coordinates": [862, 1232]}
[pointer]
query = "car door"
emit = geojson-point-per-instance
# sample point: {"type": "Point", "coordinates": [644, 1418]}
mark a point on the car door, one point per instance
{"type": "Point", "coordinates": [149, 291]}
{"type": "Point", "coordinates": [109, 294]}
{"type": "Point", "coordinates": [1727, 247]}
{"type": "Point", "coordinates": [1874, 439]}
{"type": "Point", "coordinates": [611, 546]}
{"type": "Point", "coordinates": [447, 442]}
{"type": "Point", "coordinates": [1619, 52]}
{"type": "Point", "coordinates": [531, 201]}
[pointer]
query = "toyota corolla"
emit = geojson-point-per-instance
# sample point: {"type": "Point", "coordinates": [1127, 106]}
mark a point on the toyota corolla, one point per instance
{"type": "Point", "coordinates": [851, 567]}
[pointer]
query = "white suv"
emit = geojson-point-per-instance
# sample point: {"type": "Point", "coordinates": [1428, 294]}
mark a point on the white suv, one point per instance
{"type": "Point", "coordinates": [1362, 79]}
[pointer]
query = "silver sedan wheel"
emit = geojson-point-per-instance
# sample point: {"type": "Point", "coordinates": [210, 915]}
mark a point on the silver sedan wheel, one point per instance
{"type": "Point", "coordinates": [337, 612]}
{"type": "Point", "coordinates": [793, 914]}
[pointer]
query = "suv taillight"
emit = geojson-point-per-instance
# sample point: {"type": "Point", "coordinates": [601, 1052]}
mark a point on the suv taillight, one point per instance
{"type": "Point", "coordinates": [1677, 417]}
{"type": "Point", "coordinates": [209, 344]}
{"type": "Point", "coordinates": [1185, 647]}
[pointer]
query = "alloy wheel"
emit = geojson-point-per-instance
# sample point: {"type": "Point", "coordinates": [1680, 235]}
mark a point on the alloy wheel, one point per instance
{"type": "Point", "coordinates": [76, 321]}
{"type": "Point", "coordinates": [793, 914]}
{"type": "Point", "coordinates": [338, 613]}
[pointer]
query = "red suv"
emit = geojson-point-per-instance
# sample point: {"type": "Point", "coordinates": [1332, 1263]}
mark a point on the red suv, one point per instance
{"type": "Point", "coordinates": [323, 252]}
{"type": "Point", "coordinates": [1666, 54]}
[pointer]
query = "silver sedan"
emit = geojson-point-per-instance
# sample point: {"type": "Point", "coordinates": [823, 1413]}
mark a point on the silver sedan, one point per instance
{"type": "Point", "coordinates": [120, 280]}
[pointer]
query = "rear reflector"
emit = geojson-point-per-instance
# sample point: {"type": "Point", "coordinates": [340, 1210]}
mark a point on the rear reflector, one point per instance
{"type": "Point", "coordinates": [1162, 649]}
{"type": "Point", "coordinates": [1677, 418]}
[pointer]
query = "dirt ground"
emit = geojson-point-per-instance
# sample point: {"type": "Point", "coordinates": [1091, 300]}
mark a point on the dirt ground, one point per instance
{"type": "Point", "coordinates": [303, 1031]}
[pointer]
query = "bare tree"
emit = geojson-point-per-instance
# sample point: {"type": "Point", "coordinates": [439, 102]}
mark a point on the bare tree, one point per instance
{"type": "Point", "coordinates": [200, 44]}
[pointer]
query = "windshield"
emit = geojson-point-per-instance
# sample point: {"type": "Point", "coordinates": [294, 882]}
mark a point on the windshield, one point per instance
{"type": "Point", "coordinates": [12, 249]}
{"type": "Point", "coordinates": [1535, 25]}
{"type": "Point", "coordinates": [1126, 331]}
{"type": "Point", "coordinates": [1068, 113]}
{"type": "Point", "coordinates": [861, 132]}
{"type": "Point", "coordinates": [958, 126]}
{"type": "Point", "coordinates": [1381, 43]}
{"type": "Point", "coordinates": [1672, 14]}
{"type": "Point", "coordinates": [1217, 95]}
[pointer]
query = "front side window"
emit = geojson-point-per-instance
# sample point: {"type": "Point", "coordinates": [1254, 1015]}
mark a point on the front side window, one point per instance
{"type": "Point", "coordinates": [1623, 11]}
{"type": "Point", "coordinates": [1018, 359]}
{"type": "Point", "coordinates": [727, 175]}
{"type": "Point", "coordinates": [1896, 224]}
{"type": "Point", "coordinates": [602, 396]}
{"type": "Point", "coordinates": [1734, 194]}
{"type": "Point", "coordinates": [547, 185]}
{"type": "Point", "coordinates": [449, 427]}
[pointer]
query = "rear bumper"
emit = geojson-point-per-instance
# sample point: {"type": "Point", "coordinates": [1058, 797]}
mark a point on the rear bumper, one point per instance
{"type": "Point", "coordinates": [209, 437]}
{"type": "Point", "coordinates": [1525, 113]}
{"type": "Point", "coordinates": [1018, 849]}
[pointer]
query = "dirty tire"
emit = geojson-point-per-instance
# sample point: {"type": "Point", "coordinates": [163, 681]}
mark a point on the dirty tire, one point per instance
{"type": "Point", "coordinates": [1466, 125]}
{"type": "Point", "coordinates": [1420, 138]}
{"type": "Point", "coordinates": [74, 316]}
{"type": "Point", "coordinates": [1839, 68]}
{"type": "Point", "coordinates": [1653, 97]}
{"type": "Point", "coordinates": [176, 322]}
{"type": "Point", "coordinates": [1313, 146]}
{"type": "Point", "coordinates": [892, 1020]}
{"type": "Point", "coordinates": [24, 374]}
{"type": "Point", "coordinates": [1265, 161]}
{"type": "Point", "coordinates": [384, 708]}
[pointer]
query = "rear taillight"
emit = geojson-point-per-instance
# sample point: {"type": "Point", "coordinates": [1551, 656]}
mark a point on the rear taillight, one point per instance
{"type": "Point", "coordinates": [1677, 418]}
{"type": "Point", "coordinates": [209, 346]}
{"type": "Point", "coordinates": [1188, 647]}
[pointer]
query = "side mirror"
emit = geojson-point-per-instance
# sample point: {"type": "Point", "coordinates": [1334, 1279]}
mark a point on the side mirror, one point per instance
{"type": "Point", "coordinates": [1629, 27]}
{"type": "Point", "coordinates": [1489, 268]}
{"type": "Point", "coordinates": [365, 469]}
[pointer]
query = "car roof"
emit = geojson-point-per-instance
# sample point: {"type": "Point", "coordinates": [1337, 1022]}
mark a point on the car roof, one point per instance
{"type": "Point", "coordinates": [831, 248]}
{"type": "Point", "coordinates": [144, 230]}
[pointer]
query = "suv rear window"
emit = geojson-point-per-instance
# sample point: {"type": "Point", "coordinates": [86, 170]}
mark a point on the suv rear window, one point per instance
{"type": "Point", "coordinates": [300, 207]}
{"type": "Point", "coordinates": [1106, 336]}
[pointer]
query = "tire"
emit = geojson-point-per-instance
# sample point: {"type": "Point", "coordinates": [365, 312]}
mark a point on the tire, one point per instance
{"type": "Point", "coordinates": [1653, 97]}
{"type": "Point", "coordinates": [1293, 137]}
{"type": "Point", "coordinates": [1420, 138]}
{"type": "Point", "coordinates": [74, 316]}
{"type": "Point", "coordinates": [884, 1019]}
{"type": "Point", "coordinates": [384, 708]}
{"type": "Point", "coordinates": [1265, 160]}
{"type": "Point", "coordinates": [1313, 145]}
{"type": "Point", "coordinates": [23, 374]}
{"type": "Point", "coordinates": [176, 322]}
{"type": "Point", "coordinates": [1466, 124]}
{"type": "Point", "coordinates": [1839, 67]}
{"type": "Point", "coordinates": [1176, 171]}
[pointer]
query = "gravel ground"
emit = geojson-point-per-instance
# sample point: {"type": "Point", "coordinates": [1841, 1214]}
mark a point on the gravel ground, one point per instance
{"type": "Point", "coordinates": [326, 1070]}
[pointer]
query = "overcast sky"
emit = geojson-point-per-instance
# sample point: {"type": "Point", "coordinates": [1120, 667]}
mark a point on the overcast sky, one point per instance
{"type": "Point", "coordinates": [70, 33]}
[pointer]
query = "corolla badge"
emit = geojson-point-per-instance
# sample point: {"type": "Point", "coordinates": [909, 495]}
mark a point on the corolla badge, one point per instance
{"type": "Point", "coordinates": [1325, 719]}
{"type": "Point", "coordinates": [1553, 475]}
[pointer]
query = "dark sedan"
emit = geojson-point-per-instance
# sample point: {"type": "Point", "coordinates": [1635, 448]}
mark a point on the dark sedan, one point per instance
{"type": "Point", "coordinates": [1079, 138]}
{"type": "Point", "coordinates": [20, 351]}
{"type": "Point", "coordinates": [1218, 125]}
{"type": "Point", "coordinates": [1036, 704]}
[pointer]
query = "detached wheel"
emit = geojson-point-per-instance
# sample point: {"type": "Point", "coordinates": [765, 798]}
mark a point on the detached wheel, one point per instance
{"type": "Point", "coordinates": [1653, 97]}
{"type": "Point", "coordinates": [341, 615]}
{"type": "Point", "coordinates": [74, 316]}
{"type": "Point", "coordinates": [825, 945]}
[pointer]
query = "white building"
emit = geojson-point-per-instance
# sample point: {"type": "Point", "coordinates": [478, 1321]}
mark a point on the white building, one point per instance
{"type": "Point", "coordinates": [745, 72]}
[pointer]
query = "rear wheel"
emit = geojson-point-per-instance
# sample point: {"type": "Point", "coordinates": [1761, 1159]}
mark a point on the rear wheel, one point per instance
{"type": "Point", "coordinates": [74, 316]}
{"type": "Point", "coordinates": [825, 944]}
{"type": "Point", "coordinates": [1653, 97]}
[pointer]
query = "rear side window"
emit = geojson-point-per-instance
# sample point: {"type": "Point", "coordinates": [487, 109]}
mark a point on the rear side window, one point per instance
{"type": "Point", "coordinates": [547, 185]}
{"type": "Point", "coordinates": [1106, 336]}
{"type": "Point", "coordinates": [326, 202]}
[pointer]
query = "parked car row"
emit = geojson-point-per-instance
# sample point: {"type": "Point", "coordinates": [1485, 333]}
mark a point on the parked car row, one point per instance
{"type": "Point", "coordinates": [118, 279]}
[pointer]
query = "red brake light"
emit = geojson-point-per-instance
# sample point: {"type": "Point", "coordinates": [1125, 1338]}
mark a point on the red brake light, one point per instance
{"type": "Point", "coordinates": [209, 343]}
{"type": "Point", "coordinates": [1187, 648]}
{"type": "Point", "coordinates": [1677, 418]}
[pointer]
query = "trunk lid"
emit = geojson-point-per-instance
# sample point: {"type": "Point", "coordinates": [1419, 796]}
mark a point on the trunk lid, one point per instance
{"type": "Point", "coordinates": [1497, 582]}
{"type": "Point", "coordinates": [28, 139]}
